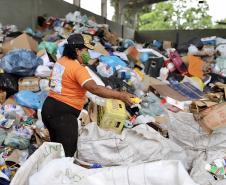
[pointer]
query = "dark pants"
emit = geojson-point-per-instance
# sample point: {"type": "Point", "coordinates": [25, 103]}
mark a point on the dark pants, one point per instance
{"type": "Point", "coordinates": [61, 121]}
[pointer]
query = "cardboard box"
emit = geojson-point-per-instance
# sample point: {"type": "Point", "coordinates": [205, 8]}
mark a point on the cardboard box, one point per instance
{"type": "Point", "coordinates": [2, 96]}
{"type": "Point", "coordinates": [167, 44]}
{"type": "Point", "coordinates": [111, 37]}
{"type": "Point", "coordinates": [29, 83]}
{"type": "Point", "coordinates": [23, 41]}
{"type": "Point", "coordinates": [213, 117]}
{"type": "Point", "coordinates": [112, 116]}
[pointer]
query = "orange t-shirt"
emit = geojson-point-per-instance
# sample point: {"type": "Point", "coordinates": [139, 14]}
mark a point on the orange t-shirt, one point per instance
{"type": "Point", "coordinates": [68, 77]}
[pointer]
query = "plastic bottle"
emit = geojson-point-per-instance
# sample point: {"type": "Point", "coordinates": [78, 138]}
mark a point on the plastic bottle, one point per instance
{"type": "Point", "coordinates": [164, 72]}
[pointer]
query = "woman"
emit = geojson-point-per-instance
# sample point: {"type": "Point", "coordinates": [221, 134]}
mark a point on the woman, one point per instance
{"type": "Point", "coordinates": [69, 82]}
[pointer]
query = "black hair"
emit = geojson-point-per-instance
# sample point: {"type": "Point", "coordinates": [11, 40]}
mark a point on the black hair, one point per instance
{"type": "Point", "coordinates": [41, 20]}
{"type": "Point", "coordinates": [69, 50]}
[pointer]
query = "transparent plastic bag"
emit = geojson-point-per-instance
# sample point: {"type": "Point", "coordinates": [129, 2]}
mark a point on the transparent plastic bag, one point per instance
{"type": "Point", "coordinates": [19, 137]}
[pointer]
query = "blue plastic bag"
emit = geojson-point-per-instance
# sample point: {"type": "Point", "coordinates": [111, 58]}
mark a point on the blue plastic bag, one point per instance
{"type": "Point", "coordinates": [151, 105]}
{"type": "Point", "coordinates": [128, 43]}
{"type": "Point", "coordinates": [20, 62]}
{"type": "Point", "coordinates": [112, 61]}
{"type": "Point", "coordinates": [31, 100]}
{"type": "Point", "coordinates": [144, 57]}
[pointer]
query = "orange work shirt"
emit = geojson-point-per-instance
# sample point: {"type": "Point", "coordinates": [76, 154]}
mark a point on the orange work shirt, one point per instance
{"type": "Point", "coordinates": [66, 82]}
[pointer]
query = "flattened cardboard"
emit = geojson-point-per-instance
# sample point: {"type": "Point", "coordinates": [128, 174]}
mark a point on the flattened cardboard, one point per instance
{"type": "Point", "coordinates": [164, 90]}
{"type": "Point", "coordinates": [214, 117]}
{"type": "Point", "coordinates": [24, 41]}
{"type": "Point", "coordinates": [100, 49]}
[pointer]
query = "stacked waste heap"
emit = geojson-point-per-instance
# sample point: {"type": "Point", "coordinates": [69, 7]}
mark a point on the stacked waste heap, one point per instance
{"type": "Point", "coordinates": [179, 112]}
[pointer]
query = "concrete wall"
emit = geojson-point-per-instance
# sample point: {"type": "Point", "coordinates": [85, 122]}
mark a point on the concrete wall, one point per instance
{"type": "Point", "coordinates": [23, 13]}
{"type": "Point", "coordinates": [128, 33]}
{"type": "Point", "coordinates": [146, 36]}
{"type": "Point", "coordinates": [117, 28]}
{"type": "Point", "coordinates": [17, 12]}
{"type": "Point", "coordinates": [177, 36]}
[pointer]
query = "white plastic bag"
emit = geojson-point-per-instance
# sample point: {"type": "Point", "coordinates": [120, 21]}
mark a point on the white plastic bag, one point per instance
{"type": "Point", "coordinates": [43, 71]}
{"type": "Point", "coordinates": [104, 70]}
{"type": "Point", "coordinates": [46, 153]}
{"type": "Point", "coordinates": [137, 145]}
{"type": "Point", "coordinates": [94, 98]}
{"type": "Point", "coordinates": [44, 85]}
{"type": "Point", "coordinates": [201, 148]}
{"type": "Point", "coordinates": [63, 171]}
{"type": "Point", "coordinates": [222, 49]}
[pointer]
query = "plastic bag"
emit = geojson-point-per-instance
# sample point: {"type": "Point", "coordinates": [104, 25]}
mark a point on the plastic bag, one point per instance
{"type": "Point", "coordinates": [12, 111]}
{"type": "Point", "coordinates": [94, 98]}
{"type": "Point", "coordinates": [222, 49]}
{"type": "Point", "coordinates": [104, 70]}
{"type": "Point", "coordinates": [6, 123]}
{"type": "Point", "coordinates": [113, 61]}
{"type": "Point", "coordinates": [151, 105]}
{"type": "Point", "coordinates": [64, 171]}
{"type": "Point", "coordinates": [196, 41]}
{"type": "Point", "coordinates": [30, 99]}
{"type": "Point", "coordinates": [9, 83]}
{"type": "Point", "coordinates": [45, 153]}
{"type": "Point", "coordinates": [201, 147]}
{"type": "Point", "coordinates": [44, 85]}
{"type": "Point", "coordinates": [144, 56]}
{"type": "Point", "coordinates": [127, 43]}
{"type": "Point", "coordinates": [51, 47]}
{"type": "Point", "coordinates": [73, 17]}
{"type": "Point", "coordinates": [193, 50]}
{"type": "Point", "coordinates": [21, 62]}
{"type": "Point", "coordinates": [137, 145]}
{"type": "Point", "coordinates": [209, 40]}
{"type": "Point", "coordinates": [19, 137]}
{"type": "Point", "coordinates": [117, 84]}
{"type": "Point", "coordinates": [39, 124]}
{"type": "Point", "coordinates": [46, 59]}
{"type": "Point", "coordinates": [124, 74]}
{"type": "Point", "coordinates": [43, 71]}
{"type": "Point", "coordinates": [221, 64]}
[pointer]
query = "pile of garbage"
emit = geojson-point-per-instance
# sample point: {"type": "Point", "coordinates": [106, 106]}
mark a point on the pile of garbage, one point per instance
{"type": "Point", "coordinates": [179, 113]}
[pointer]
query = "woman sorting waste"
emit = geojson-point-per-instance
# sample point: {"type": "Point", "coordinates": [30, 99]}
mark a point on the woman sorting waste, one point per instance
{"type": "Point", "coordinates": [68, 85]}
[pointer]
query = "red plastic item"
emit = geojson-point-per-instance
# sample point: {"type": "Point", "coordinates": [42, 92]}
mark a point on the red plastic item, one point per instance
{"type": "Point", "coordinates": [177, 61]}
{"type": "Point", "coordinates": [169, 65]}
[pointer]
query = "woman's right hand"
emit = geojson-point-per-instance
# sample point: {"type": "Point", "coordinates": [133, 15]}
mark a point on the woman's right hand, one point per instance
{"type": "Point", "coordinates": [104, 92]}
{"type": "Point", "coordinates": [126, 98]}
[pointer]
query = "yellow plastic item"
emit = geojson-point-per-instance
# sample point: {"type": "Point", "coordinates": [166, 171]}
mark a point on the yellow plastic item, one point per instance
{"type": "Point", "coordinates": [112, 116]}
{"type": "Point", "coordinates": [199, 82]}
{"type": "Point", "coordinates": [1, 71]}
{"type": "Point", "coordinates": [139, 72]}
{"type": "Point", "coordinates": [136, 100]}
